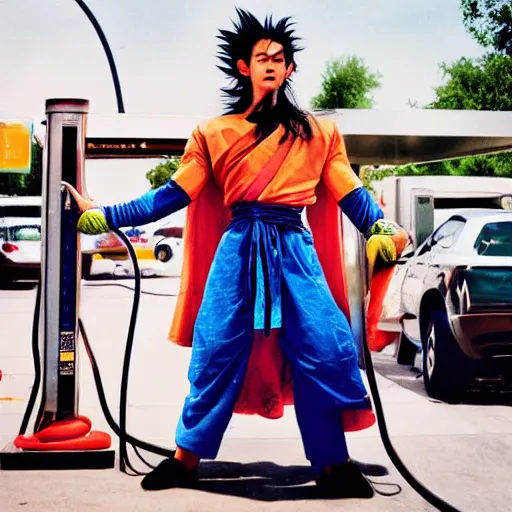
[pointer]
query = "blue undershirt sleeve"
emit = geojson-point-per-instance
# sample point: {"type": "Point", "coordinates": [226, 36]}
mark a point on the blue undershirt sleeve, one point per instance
{"type": "Point", "coordinates": [360, 207]}
{"type": "Point", "coordinates": [150, 207]}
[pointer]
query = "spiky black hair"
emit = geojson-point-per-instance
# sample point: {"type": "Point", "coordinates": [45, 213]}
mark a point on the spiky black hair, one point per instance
{"type": "Point", "coordinates": [238, 97]}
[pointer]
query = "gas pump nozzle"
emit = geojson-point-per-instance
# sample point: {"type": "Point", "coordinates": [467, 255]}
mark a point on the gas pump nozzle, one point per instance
{"type": "Point", "coordinates": [67, 201]}
{"type": "Point", "coordinates": [83, 203]}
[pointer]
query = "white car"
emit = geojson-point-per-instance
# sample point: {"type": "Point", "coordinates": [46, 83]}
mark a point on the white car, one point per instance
{"type": "Point", "coordinates": [456, 304]}
{"type": "Point", "coordinates": [20, 248]}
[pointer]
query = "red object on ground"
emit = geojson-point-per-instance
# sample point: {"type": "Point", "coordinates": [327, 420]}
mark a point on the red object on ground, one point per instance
{"type": "Point", "coordinates": [66, 435]}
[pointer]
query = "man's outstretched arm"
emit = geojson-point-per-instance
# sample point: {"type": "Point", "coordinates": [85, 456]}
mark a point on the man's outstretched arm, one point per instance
{"type": "Point", "coordinates": [192, 175]}
{"type": "Point", "coordinates": [385, 238]}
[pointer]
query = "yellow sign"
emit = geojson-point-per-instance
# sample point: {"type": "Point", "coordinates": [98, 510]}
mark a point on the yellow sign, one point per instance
{"type": "Point", "coordinates": [15, 147]}
{"type": "Point", "coordinates": [67, 356]}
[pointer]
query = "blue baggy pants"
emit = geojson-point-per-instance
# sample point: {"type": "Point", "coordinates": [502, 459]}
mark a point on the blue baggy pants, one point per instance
{"type": "Point", "coordinates": [266, 274]}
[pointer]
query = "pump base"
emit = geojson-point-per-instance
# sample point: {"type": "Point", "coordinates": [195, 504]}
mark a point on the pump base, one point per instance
{"type": "Point", "coordinates": [14, 459]}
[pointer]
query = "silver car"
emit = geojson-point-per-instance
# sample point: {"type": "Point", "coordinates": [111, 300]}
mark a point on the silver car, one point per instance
{"type": "Point", "coordinates": [456, 300]}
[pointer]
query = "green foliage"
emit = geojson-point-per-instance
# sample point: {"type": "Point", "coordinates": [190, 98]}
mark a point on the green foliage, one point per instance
{"type": "Point", "coordinates": [347, 83]}
{"type": "Point", "coordinates": [490, 23]}
{"type": "Point", "coordinates": [479, 84]}
{"type": "Point", "coordinates": [369, 174]}
{"type": "Point", "coordinates": [499, 164]}
{"type": "Point", "coordinates": [162, 173]}
{"type": "Point", "coordinates": [25, 184]}
{"type": "Point", "coordinates": [474, 84]}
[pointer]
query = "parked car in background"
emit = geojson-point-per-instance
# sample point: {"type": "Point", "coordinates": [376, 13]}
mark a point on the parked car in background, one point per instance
{"type": "Point", "coordinates": [20, 248]}
{"type": "Point", "coordinates": [456, 300]}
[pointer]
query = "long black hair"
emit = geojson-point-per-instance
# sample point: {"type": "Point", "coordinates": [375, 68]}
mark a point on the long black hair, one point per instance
{"type": "Point", "coordinates": [238, 97]}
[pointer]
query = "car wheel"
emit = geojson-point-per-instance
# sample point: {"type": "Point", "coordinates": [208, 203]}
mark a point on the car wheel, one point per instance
{"type": "Point", "coordinates": [446, 372]}
{"type": "Point", "coordinates": [163, 253]}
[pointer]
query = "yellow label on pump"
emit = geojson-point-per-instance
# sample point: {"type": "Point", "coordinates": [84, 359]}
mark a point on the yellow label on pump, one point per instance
{"type": "Point", "coordinates": [67, 356]}
{"type": "Point", "coordinates": [15, 147]}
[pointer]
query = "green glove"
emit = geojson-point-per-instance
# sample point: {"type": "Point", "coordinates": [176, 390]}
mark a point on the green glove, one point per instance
{"type": "Point", "coordinates": [93, 222]}
{"type": "Point", "coordinates": [383, 227]}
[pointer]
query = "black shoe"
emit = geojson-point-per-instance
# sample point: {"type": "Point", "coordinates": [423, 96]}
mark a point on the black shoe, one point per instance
{"type": "Point", "coordinates": [344, 481]}
{"type": "Point", "coordinates": [168, 474]}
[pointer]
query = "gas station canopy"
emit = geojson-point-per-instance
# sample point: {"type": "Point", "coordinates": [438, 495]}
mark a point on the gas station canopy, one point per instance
{"type": "Point", "coordinates": [373, 137]}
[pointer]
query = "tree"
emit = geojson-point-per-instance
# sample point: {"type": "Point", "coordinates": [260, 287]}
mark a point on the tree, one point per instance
{"type": "Point", "coordinates": [490, 23]}
{"type": "Point", "coordinates": [162, 173]}
{"type": "Point", "coordinates": [476, 84]}
{"type": "Point", "coordinates": [471, 84]}
{"type": "Point", "coordinates": [347, 83]}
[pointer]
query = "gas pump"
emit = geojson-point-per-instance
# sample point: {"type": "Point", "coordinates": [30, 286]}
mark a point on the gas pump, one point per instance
{"type": "Point", "coordinates": [54, 435]}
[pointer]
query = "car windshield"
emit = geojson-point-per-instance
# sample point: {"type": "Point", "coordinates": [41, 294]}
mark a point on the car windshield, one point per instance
{"type": "Point", "coordinates": [495, 239]}
{"type": "Point", "coordinates": [21, 233]}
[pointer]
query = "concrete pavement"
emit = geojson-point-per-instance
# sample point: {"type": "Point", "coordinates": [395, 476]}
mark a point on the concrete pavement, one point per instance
{"type": "Point", "coordinates": [463, 452]}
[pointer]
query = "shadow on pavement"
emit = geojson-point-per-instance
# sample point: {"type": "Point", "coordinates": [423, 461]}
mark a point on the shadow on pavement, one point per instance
{"type": "Point", "coordinates": [481, 392]}
{"type": "Point", "coordinates": [267, 481]}
{"type": "Point", "coordinates": [18, 285]}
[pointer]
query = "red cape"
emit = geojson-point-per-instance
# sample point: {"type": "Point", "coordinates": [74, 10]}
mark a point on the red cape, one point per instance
{"type": "Point", "coordinates": [268, 385]}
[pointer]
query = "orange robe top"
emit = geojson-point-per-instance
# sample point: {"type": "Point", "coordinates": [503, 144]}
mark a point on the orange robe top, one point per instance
{"type": "Point", "coordinates": [221, 151]}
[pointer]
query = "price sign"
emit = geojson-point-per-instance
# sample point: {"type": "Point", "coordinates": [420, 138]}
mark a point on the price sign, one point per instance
{"type": "Point", "coordinates": [15, 146]}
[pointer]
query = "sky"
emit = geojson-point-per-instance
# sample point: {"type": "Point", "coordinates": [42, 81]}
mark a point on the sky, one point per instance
{"type": "Point", "coordinates": [165, 52]}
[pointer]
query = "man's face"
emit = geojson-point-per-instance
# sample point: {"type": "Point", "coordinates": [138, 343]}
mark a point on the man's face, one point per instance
{"type": "Point", "coordinates": [267, 68]}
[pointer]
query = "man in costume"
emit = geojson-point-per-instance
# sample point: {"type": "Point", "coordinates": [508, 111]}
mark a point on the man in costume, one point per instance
{"type": "Point", "coordinates": [263, 300]}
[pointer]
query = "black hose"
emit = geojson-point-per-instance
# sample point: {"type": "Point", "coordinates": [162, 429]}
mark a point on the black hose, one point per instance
{"type": "Point", "coordinates": [120, 430]}
{"type": "Point", "coordinates": [425, 493]}
{"type": "Point", "coordinates": [36, 358]}
{"type": "Point", "coordinates": [143, 292]}
{"type": "Point", "coordinates": [108, 52]}
{"type": "Point", "coordinates": [158, 450]}
{"type": "Point", "coordinates": [128, 350]}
